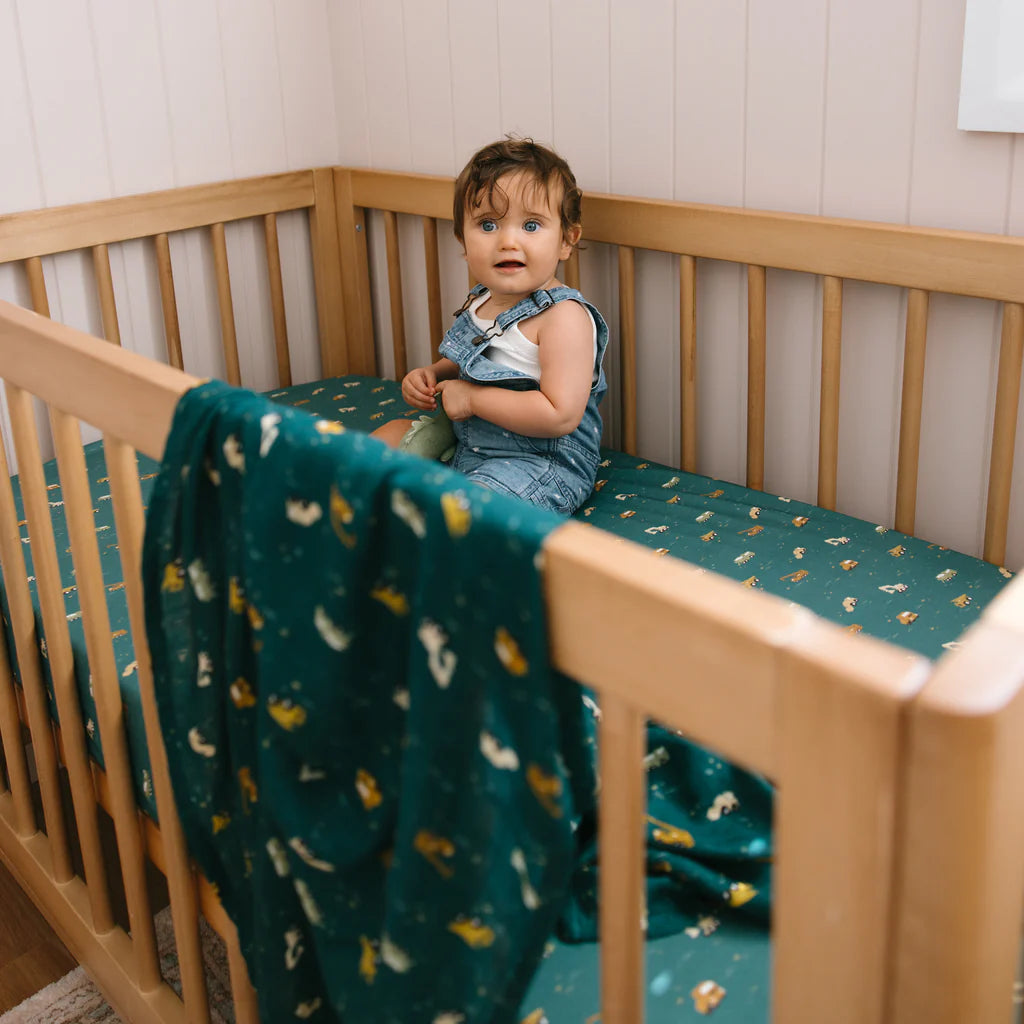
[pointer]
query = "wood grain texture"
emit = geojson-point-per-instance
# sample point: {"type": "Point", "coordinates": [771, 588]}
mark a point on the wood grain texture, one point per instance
{"type": "Point", "coordinates": [622, 899]}
{"type": "Point", "coordinates": [174, 861]}
{"type": "Point", "coordinates": [627, 346]}
{"type": "Point", "coordinates": [756, 363]}
{"type": "Point", "coordinates": [910, 409]}
{"type": "Point", "coordinates": [965, 763]}
{"type": "Point", "coordinates": [395, 294]}
{"type": "Point", "coordinates": [109, 711]}
{"type": "Point", "coordinates": [828, 419]}
{"type": "Point", "coordinates": [688, 363]}
{"type": "Point", "coordinates": [1004, 432]}
{"type": "Point", "coordinates": [60, 229]}
{"type": "Point", "coordinates": [284, 368]}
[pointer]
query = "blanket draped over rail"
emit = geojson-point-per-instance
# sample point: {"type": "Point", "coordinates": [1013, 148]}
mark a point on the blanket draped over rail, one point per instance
{"type": "Point", "coordinates": [372, 759]}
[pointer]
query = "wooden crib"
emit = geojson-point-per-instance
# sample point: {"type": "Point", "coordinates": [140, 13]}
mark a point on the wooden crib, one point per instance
{"type": "Point", "coordinates": [925, 920]}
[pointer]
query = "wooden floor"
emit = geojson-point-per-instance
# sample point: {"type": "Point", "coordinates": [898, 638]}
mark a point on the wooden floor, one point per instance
{"type": "Point", "coordinates": [31, 955]}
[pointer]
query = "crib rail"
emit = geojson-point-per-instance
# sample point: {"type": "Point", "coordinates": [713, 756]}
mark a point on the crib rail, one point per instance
{"type": "Point", "coordinates": [920, 260]}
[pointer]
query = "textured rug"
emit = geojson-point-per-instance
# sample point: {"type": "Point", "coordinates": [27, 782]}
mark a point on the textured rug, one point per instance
{"type": "Point", "coordinates": [74, 999]}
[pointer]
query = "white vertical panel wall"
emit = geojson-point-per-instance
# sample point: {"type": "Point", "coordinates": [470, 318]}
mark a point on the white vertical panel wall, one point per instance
{"type": "Point", "coordinates": [108, 97]}
{"type": "Point", "coordinates": [820, 106]}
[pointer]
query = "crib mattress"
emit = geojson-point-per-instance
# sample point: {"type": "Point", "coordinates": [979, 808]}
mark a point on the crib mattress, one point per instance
{"type": "Point", "coordinates": [715, 966]}
{"type": "Point", "coordinates": [864, 577]}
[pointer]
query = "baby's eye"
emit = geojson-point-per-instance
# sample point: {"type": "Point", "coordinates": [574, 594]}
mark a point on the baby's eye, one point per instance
{"type": "Point", "coordinates": [488, 225]}
{"type": "Point", "coordinates": [532, 225]}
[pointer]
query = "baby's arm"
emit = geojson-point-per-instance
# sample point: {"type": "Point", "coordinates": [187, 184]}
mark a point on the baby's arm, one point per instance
{"type": "Point", "coordinates": [419, 385]}
{"type": "Point", "coordinates": [566, 342]}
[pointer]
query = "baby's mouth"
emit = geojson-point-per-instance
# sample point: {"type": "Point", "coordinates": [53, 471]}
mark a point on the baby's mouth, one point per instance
{"type": "Point", "coordinates": [510, 264]}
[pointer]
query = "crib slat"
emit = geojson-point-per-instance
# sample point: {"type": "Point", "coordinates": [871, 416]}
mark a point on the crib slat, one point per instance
{"type": "Point", "coordinates": [1011, 358]}
{"type": "Point", "coordinates": [756, 340]}
{"type": "Point", "coordinates": [828, 424]}
{"type": "Point", "coordinates": [105, 286]}
{"type": "Point", "coordinates": [395, 294]}
{"type": "Point", "coordinates": [688, 363]}
{"type": "Point", "coordinates": [106, 690]}
{"type": "Point", "coordinates": [172, 332]}
{"type": "Point", "coordinates": [622, 857]}
{"type": "Point", "coordinates": [284, 366]}
{"type": "Point", "coordinates": [227, 308]}
{"type": "Point", "coordinates": [127, 498]}
{"type": "Point", "coordinates": [16, 589]}
{"type": "Point", "coordinates": [910, 409]}
{"type": "Point", "coordinates": [12, 748]}
{"type": "Point", "coordinates": [243, 995]}
{"type": "Point", "coordinates": [430, 254]}
{"type": "Point", "coordinates": [59, 655]}
{"type": "Point", "coordinates": [627, 346]}
{"type": "Point", "coordinates": [339, 350]}
{"type": "Point", "coordinates": [37, 285]}
{"type": "Point", "coordinates": [572, 269]}
{"type": "Point", "coordinates": [44, 559]}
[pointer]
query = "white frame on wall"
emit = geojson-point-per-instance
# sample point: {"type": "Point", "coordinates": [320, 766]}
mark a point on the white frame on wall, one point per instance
{"type": "Point", "coordinates": [992, 76]}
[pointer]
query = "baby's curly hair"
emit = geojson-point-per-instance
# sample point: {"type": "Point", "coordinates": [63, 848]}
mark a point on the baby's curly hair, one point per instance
{"type": "Point", "coordinates": [479, 179]}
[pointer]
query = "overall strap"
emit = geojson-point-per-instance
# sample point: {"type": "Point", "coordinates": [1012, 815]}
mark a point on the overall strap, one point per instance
{"type": "Point", "coordinates": [474, 292]}
{"type": "Point", "coordinates": [534, 304]}
{"type": "Point", "coordinates": [525, 308]}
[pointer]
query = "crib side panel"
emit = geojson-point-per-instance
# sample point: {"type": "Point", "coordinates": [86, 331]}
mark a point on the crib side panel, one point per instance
{"type": "Point", "coordinates": [197, 276]}
{"type": "Point", "coordinates": [123, 964]}
{"type": "Point", "coordinates": [99, 903]}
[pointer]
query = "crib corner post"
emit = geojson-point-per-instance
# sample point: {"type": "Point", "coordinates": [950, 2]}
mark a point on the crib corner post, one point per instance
{"type": "Point", "coordinates": [960, 871]}
{"type": "Point", "coordinates": [327, 274]}
{"type": "Point", "coordinates": [355, 274]}
{"type": "Point", "coordinates": [842, 704]}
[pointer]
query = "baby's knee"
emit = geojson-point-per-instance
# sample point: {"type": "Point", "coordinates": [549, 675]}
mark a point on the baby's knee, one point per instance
{"type": "Point", "coordinates": [392, 432]}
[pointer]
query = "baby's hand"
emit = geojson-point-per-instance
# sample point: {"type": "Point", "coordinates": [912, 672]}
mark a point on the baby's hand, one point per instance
{"type": "Point", "coordinates": [418, 387]}
{"type": "Point", "coordinates": [456, 397]}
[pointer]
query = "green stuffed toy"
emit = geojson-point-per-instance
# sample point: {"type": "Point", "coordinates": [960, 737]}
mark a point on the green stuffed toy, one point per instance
{"type": "Point", "coordinates": [431, 436]}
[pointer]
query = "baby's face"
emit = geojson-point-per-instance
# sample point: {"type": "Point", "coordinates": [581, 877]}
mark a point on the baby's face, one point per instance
{"type": "Point", "coordinates": [514, 241]}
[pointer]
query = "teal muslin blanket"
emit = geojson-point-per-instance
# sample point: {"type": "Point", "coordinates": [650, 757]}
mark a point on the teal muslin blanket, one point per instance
{"type": "Point", "coordinates": [373, 760]}
{"type": "Point", "coordinates": [366, 745]}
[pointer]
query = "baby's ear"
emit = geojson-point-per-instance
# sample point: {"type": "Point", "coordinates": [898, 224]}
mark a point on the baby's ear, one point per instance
{"type": "Point", "coordinates": [569, 240]}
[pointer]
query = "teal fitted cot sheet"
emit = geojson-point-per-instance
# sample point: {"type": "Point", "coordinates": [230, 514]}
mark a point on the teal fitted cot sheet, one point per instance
{"type": "Point", "coordinates": [863, 577]}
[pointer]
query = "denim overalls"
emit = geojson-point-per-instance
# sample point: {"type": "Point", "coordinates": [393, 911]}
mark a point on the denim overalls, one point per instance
{"type": "Point", "coordinates": [556, 473]}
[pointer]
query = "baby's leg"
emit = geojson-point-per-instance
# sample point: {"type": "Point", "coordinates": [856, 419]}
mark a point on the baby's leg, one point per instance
{"type": "Point", "coordinates": [392, 432]}
{"type": "Point", "coordinates": [528, 477]}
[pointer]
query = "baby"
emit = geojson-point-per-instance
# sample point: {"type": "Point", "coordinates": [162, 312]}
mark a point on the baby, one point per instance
{"type": "Point", "coordinates": [520, 372]}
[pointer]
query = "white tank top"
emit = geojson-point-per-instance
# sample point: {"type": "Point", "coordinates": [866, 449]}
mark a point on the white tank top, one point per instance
{"type": "Point", "coordinates": [512, 347]}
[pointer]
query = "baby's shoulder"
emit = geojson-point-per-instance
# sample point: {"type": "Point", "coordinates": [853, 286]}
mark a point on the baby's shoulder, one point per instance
{"type": "Point", "coordinates": [567, 315]}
